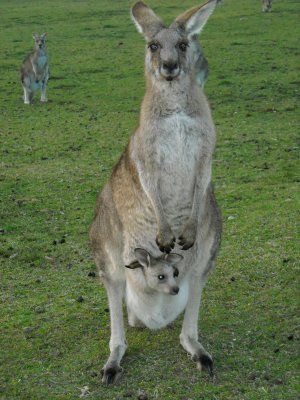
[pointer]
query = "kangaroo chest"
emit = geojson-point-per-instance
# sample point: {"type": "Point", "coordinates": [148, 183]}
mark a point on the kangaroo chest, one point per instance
{"type": "Point", "coordinates": [179, 143]}
{"type": "Point", "coordinates": [177, 154]}
{"type": "Point", "coordinates": [40, 67]}
{"type": "Point", "coordinates": [41, 62]}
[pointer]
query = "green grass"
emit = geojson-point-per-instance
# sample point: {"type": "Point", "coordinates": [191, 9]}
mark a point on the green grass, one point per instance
{"type": "Point", "coordinates": [55, 157]}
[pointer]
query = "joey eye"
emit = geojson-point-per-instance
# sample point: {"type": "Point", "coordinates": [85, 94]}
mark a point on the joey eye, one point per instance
{"type": "Point", "coordinates": [176, 273]}
{"type": "Point", "coordinates": [153, 47]}
{"type": "Point", "coordinates": [183, 46]}
{"type": "Point", "coordinates": [161, 277]}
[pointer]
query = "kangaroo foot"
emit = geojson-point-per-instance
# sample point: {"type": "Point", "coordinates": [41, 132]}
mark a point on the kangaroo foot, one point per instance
{"type": "Point", "coordinates": [202, 358]}
{"type": "Point", "coordinates": [111, 374]}
{"type": "Point", "coordinates": [204, 363]}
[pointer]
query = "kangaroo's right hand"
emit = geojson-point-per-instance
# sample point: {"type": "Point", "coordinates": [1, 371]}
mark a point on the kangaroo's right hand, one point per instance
{"type": "Point", "coordinates": [165, 239]}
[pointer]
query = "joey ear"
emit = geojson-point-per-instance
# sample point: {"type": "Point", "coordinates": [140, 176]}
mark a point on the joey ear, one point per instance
{"type": "Point", "coordinates": [134, 265]}
{"type": "Point", "coordinates": [173, 258]}
{"type": "Point", "coordinates": [193, 20]}
{"type": "Point", "coordinates": [146, 21]}
{"type": "Point", "coordinates": [142, 256]}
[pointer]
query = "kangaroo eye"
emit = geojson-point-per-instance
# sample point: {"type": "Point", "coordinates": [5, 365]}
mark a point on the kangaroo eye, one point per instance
{"type": "Point", "coordinates": [161, 277]}
{"type": "Point", "coordinates": [183, 46]}
{"type": "Point", "coordinates": [153, 47]}
{"type": "Point", "coordinates": [176, 273]}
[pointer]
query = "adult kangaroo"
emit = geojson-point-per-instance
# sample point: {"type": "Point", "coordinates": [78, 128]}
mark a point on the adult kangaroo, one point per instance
{"type": "Point", "coordinates": [160, 195]}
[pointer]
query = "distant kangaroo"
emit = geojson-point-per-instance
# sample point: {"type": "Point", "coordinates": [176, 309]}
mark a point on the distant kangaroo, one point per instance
{"type": "Point", "coordinates": [266, 5]}
{"type": "Point", "coordinates": [34, 70]}
{"type": "Point", "coordinates": [160, 195]}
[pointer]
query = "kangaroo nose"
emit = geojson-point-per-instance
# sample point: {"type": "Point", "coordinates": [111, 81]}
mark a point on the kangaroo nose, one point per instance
{"type": "Point", "coordinates": [170, 66]}
{"type": "Point", "coordinates": [175, 290]}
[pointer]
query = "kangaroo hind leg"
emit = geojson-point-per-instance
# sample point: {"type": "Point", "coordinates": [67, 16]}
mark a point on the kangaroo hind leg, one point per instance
{"type": "Point", "coordinates": [189, 333]}
{"type": "Point", "coordinates": [112, 370]}
{"type": "Point", "coordinates": [28, 95]}
{"type": "Point", "coordinates": [43, 91]}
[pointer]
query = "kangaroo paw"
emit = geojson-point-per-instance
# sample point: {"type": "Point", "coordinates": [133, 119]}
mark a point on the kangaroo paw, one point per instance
{"type": "Point", "coordinates": [166, 245]}
{"type": "Point", "coordinates": [188, 236]}
{"type": "Point", "coordinates": [185, 243]}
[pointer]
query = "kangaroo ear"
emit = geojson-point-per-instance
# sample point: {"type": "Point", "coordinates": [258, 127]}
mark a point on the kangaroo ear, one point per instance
{"type": "Point", "coordinates": [173, 258]}
{"type": "Point", "coordinates": [146, 21]}
{"type": "Point", "coordinates": [193, 20]}
{"type": "Point", "coordinates": [143, 257]}
{"type": "Point", "coordinates": [35, 35]}
{"type": "Point", "coordinates": [44, 35]}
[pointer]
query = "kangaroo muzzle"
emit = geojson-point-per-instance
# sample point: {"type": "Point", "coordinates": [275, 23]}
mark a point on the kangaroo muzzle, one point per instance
{"type": "Point", "coordinates": [170, 70]}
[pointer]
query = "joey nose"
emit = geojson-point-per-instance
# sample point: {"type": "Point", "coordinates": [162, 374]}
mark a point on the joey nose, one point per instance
{"type": "Point", "coordinates": [175, 290]}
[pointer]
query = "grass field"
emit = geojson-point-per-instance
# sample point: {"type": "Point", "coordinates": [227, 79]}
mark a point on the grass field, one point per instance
{"type": "Point", "coordinates": [55, 157]}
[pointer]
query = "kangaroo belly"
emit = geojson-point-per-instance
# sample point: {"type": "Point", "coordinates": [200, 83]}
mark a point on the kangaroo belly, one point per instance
{"type": "Point", "coordinates": [34, 86]}
{"type": "Point", "coordinates": [156, 310]}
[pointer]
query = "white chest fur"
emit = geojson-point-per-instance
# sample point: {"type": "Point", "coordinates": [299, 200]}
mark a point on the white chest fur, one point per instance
{"type": "Point", "coordinates": [156, 310]}
{"type": "Point", "coordinates": [179, 141]}
{"type": "Point", "coordinates": [178, 153]}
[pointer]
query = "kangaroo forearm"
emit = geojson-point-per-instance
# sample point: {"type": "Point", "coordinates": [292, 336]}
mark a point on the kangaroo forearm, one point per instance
{"type": "Point", "coordinates": [151, 189]}
{"type": "Point", "coordinates": [202, 183]}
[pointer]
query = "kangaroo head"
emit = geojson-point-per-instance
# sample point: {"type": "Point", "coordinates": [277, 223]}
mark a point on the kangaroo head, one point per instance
{"type": "Point", "coordinates": [40, 41]}
{"type": "Point", "coordinates": [160, 273]}
{"type": "Point", "coordinates": [170, 51]}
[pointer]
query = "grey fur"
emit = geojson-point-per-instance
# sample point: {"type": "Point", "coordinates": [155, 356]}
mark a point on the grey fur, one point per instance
{"type": "Point", "coordinates": [160, 195]}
